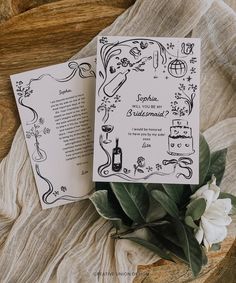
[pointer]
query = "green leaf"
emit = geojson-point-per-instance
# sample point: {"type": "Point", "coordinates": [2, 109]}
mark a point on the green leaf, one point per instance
{"type": "Point", "coordinates": [174, 191]}
{"type": "Point", "coordinates": [204, 162]}
{"type": "Point", "coordinates": [157, 249]}
{"type": "Point", "coordinates": [191, 247]}
{"type": "Point", "coordinates": [103, 206]}
{"type": "Point", "coordinates": [167, 236]}
{"type": "Point", "coordinates": [134, 200]}
{"type": "Point", "coordinates": [189, 221]}
{"type": "Point", "coordinates": [196, 208]}
{"type": "Point", "coordinates": [166, 202]}
{"type": "Point", "coordinates": [204, 257]}
{"type": "Point", "coordinates": [217, 165]}
{"type": "Point", "coordinates": [155, 211]}
{"type": "Point", "coordinates": [233, 201]}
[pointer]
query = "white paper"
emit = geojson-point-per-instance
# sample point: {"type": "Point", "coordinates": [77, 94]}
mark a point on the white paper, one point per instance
{"type": "Point", "coordinates": [147, 110]}
{"type": "Point", "coordinates": [56, 106]}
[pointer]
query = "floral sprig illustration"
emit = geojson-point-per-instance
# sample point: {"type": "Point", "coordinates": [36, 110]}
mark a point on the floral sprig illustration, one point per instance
{"type": "Point", "coordinates": [186, 98]}
{"type": "Point", "coordinates": [140, 164]}
{"type": "Point", "coordinates": [39, 154]}
{"type": "Point", "coordinates": [23, 91]}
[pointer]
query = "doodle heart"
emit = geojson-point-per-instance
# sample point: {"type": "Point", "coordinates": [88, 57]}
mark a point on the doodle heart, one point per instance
{"type": "Point", "coordinates": [180, 140]}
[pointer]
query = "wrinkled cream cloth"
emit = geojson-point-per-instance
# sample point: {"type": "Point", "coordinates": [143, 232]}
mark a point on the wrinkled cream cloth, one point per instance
{"type": "Point", "coordinates": [72, 243]}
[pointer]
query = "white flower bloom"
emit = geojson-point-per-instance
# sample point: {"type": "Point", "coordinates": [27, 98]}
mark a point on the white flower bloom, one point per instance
{"type": "Point", "coordinates": [212, 228]}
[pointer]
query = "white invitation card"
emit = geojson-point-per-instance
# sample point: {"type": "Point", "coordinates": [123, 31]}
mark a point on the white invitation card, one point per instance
{"type": "Point", "coordinates": [147, 110]}
{"type": "Point", "coordinates": [56, 107]}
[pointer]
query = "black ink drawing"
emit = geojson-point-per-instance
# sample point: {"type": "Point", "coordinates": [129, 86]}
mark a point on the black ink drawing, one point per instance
{"type": "Point", "coordinates": [106, 107]}
{"type": "Point", "coordinates": [113, 166]}
{"type": "Point", "coordinates": [107, 129]}
{"type": "Point", "coordinates": [120, 60]}
{"type": "Point", "coordinates": [187, 97]}
{"type": "Point", "coordinates": [137, 56]}
{"type": "Point", "coordinates": [39, 154]}
{"type": "Point", "coordinates": [117, 157]}
{"type": "Point", "coordinates": [193, 60]}
{"type": "Point", "coordinates": [180, 140]}
{"type": "Point", "coordinates": [84, 70]}
{"type": "Point", "coordinates": [53, 192]}
{"type": "Point", "coordinates": [170, 45]}
{"type": "Point", "coordinates": [193, 70]}
{"type": "Point", "coordinates": [177, 68]}
{"type": "Point", "coordinates": [187, 48]}
{"type": "Point", "coordinates": [111, 88]}
{"type": "Point", "coordinates": [155, 63]}
{"type": "Point", "coordinates": [24, 92]}
{"type": "Point", "coordinates": [183, 163]}
{"type": "Point", "coordinates": [140, 164]}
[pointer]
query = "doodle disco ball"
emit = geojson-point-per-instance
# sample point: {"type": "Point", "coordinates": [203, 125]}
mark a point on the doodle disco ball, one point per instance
{"type": "Point", "coordinates": [177, 68]}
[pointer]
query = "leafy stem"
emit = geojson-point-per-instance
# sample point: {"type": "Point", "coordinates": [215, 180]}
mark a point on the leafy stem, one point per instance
{"type": "Point", "coordinates": [136, 227]}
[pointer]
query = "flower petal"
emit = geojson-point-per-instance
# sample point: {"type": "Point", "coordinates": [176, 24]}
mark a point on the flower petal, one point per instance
{"type": "Point", "coordinates": [199, 192]}
{"type": "Point", "coordinates": [199, 234]}
{"type": "Point", "coordinates": [216, 214]}
{"type": "Point", "coordinates": [208, 196]}
{"type": "Point", "coordinates": [213, 233]}
{"type": "Point", "coordinates": [224, 204]}
{"type": "Point", "coordinates": [216, 191]}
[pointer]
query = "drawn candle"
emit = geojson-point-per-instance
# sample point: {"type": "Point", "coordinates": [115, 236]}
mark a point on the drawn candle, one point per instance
{"type": "Point", "coordinates": [115, 84]}
{"type": "Point", "coordinates": [155, 62]}
{"type": "Point", "coordinates": [107, 129]}
{"type": "Point", "coordinates": [116, 157]}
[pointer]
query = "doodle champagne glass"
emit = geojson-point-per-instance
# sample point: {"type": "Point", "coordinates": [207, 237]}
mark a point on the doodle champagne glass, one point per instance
{"type": "Point", "coordinates": [155, 62]}
{"type": "Point", "coordinates": [107, 129]}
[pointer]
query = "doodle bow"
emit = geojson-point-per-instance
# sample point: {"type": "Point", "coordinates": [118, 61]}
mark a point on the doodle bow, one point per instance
{"type": "Point", "coordinates": [182, 162]}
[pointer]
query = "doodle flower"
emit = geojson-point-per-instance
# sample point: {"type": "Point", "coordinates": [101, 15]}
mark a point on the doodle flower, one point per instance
{"type": "Point", "coordinates": [212, 227]}
{"type": "Point", "coordinates": [141, 161]}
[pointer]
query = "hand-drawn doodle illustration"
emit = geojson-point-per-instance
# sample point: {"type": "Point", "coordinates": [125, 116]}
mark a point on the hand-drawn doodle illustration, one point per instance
{"type": "Point", "coordinates": [180, 140]}
{"type": "Point", "coordinates": [183, 163]}
{"type": "Point", "coordinates": [187, 48]}
{"type": "Point", "coordinates": [177, 68]}
{"type": "Point", "coordinates": [140, 164]}
{"type": "Point", "coordinates": [105, 170]}
{"type": "Point", "coordinates": [35, 127]}
{"type": "Point", "coordinates": [51, 191]}
{"type": "Point", "coordinates": [121, 62]}
{"type": "Point", "coordinates": [111, 88]}
{"type": "Point", "coordinates": [155, 63]}
{"type": "Point", "coordinates": [107, 129]}
{"type": "Point", "coordinates": [135, 60]}
{"type": "Point", "coordinates": [117, 157]}
{"type": "Point", "coordinates": [39, 154]}
{"type": "Point", "coordinates": [84, 70]}
{"type": "Point", "coordinates": [186, 96]}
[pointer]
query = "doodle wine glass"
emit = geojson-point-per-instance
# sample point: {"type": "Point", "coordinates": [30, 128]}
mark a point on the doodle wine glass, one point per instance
{"type": "Point", "coordinates": [155, 63]}
{"type": "Point", "coordinates": [107, 129]}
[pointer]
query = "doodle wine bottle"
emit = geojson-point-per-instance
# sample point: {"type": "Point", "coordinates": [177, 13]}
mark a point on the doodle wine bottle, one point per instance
{"type": "Point", "coordinates": [116, 157]}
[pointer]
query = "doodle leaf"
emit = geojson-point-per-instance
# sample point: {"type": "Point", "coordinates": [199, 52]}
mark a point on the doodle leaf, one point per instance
{"type": "Point", "coordinates": [166, 202]}
{"type": "Point", "coordinates": [101, 75]}
{"type": "Point", "coordinates": [174, 191]}
{"type": "Point", "coordinates": [217, 165]}
{"type": "Point", "coordinates": [140, 170]}
{"type": "Point", "coordinates": [191, 247]}
{"type": "Point", "coordinates": [134, 200]}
